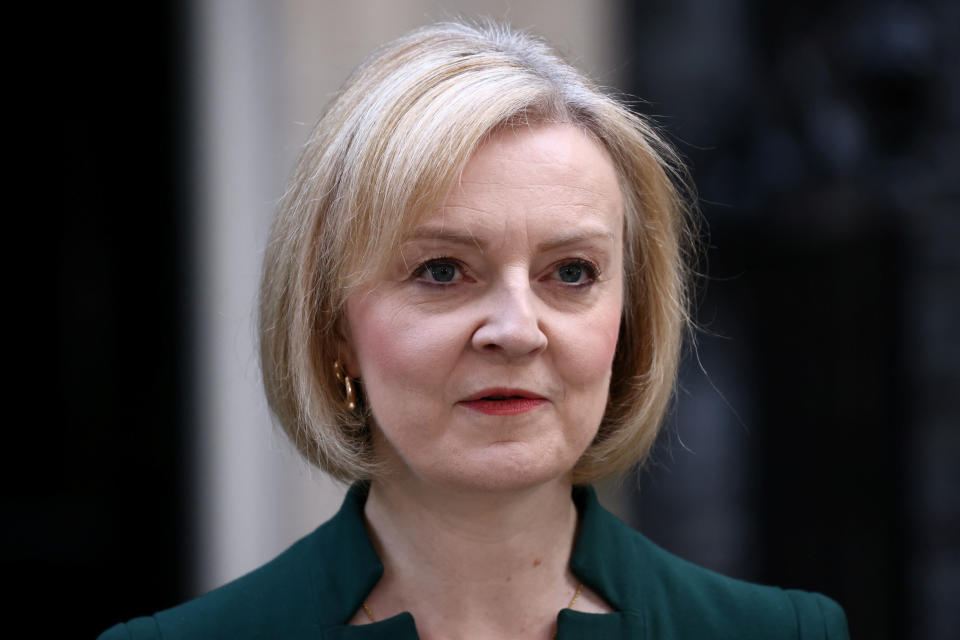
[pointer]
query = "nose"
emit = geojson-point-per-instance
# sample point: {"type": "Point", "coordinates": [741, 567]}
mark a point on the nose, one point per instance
{"type": "Point", "coordinates": [511, 323]}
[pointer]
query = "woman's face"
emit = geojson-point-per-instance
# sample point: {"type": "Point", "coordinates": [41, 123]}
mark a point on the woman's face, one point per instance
{"type": "Point", "coordinates": [485, 354]}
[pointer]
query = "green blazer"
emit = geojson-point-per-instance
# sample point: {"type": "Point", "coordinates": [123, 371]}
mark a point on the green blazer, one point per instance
{"type": "Point", "coordinates": [315, 587]}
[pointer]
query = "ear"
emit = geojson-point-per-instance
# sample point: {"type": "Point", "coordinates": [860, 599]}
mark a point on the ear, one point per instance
{"type": "Point", "coordinates": [345, 351]}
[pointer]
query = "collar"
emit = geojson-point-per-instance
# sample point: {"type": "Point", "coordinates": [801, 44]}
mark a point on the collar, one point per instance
{"type": "Point", "coordinates": [348, 568]}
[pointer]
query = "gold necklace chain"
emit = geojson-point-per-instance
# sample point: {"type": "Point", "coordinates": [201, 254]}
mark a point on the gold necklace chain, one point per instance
{"type": "Point", "coordinates": [366, 608]}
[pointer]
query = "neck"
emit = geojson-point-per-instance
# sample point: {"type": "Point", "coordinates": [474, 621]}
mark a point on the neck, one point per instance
{"type": "Point", "coordinates": [488, 563]}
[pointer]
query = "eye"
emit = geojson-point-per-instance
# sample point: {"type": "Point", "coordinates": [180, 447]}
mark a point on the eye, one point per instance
{"type": "Point", "coordinates": [576, 272]}
{"type": "Point", "coordinates": [439, 271]}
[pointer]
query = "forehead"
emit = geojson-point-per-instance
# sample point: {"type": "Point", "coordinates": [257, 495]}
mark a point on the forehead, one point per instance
{"type": "Point", "coordinates": [551, 178]}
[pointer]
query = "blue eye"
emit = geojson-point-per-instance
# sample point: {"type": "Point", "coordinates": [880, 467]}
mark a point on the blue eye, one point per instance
{"type": "Point", "coordinates": [570, 273]}
{"type": "Point", "coordinates": [439, 270]}
{"type": "Point", "coordinates": [442, 271]}
{"type": "Point", "coordinates": [578, 272]}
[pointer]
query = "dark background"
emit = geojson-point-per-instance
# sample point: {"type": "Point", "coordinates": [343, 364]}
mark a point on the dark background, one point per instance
{"type": "Point", "coordinates": [817, 430]}
{"type": "Point", "coordinates": [817, 438]}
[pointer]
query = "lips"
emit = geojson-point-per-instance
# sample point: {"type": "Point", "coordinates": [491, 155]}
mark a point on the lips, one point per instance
{"type": "Point", "coordinates": [503, 401]}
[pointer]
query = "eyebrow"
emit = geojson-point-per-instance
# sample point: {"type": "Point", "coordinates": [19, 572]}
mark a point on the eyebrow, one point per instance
{"type": "Point", "coordinates": [576, 237]}
{"type": "Point", "coordinates": [557, 242]}
{"type": "Point", "coordinates": [444, 235]}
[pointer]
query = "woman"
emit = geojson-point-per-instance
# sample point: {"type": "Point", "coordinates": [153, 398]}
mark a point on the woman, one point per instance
{"type": "Point", "coordinates": [472, 307]}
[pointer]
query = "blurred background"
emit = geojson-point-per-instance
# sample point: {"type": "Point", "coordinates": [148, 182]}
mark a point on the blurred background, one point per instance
{"type": "Point", "coordinates": [815, 441]}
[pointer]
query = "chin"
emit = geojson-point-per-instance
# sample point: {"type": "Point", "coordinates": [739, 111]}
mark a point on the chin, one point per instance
{"type": "Point", "coordinates": [504, 467]}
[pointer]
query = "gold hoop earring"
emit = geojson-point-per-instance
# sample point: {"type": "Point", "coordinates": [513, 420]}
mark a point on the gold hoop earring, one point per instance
{"type": "Point", "coordinates": [348, 392]}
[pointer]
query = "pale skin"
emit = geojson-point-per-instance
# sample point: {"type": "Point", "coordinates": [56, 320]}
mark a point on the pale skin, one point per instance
{"type": "Point", "coordinates": [515, 283]}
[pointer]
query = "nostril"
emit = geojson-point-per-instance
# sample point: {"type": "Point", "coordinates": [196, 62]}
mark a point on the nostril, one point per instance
{"type": "Point", "coordinates": [510, 343]}
{"type": "Point", "coordinates": [512, 327]}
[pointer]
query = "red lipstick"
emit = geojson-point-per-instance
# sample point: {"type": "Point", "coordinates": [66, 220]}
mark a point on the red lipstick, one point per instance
{"type": "Point", "coordinates": [503, 402]}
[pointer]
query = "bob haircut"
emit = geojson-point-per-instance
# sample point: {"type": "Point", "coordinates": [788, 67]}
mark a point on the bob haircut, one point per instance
{"type": "Point", "coordinates": [385, 153]}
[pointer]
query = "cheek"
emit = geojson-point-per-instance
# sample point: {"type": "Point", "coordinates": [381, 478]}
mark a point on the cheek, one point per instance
{"type": "Point", "coordinates": [399, 349]}
{"type": "Point", "coordinates": [591, 346]}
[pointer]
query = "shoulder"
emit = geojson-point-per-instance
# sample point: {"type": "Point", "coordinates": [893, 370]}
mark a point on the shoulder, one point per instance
{"type": "Point", "coordinates": [678, 599]}
{"type": "Point", "coordinates": [317, 583]}
{"type": "Point", "coordinates": [278, 597]}
{"type": "Point", "coordinates": [696, 601]}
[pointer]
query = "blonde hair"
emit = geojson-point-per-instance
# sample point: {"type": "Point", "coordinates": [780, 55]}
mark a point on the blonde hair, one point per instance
{"type": "Point", "coordinates": [384, 154]}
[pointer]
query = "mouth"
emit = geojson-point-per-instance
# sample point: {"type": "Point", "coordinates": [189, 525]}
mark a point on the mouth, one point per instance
{"type": "Point", "coordinates": [503, 402]}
